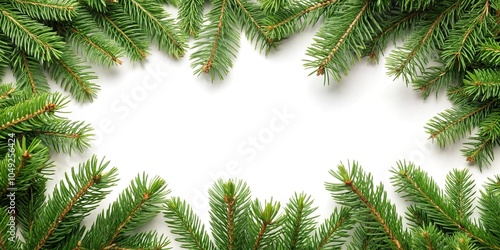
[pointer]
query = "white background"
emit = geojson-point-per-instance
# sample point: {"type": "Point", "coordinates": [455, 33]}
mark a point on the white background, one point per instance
{"type": "Point", "coordinates": [160, 118]}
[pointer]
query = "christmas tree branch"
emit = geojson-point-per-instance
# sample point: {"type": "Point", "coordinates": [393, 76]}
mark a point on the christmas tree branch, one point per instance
{"type": "Point", "coordinates": [25, 115]}
{"type": "Point", "coordinates": [415, 52]}
{"type": "Point", "coordinates": [341, 40]}
{"type": "Point", "coordinates": [229, 203]}
{"type": "Point", "coordinates": [156, 23]}
{"type": "Point", "coordinates": [71, 202]}
{"type": "Point", "coordinates": [334, 230]}
{"type": "Point", "coordinates": [282, 26]}
{"type": "Point", "coordinates": [191, 16]}
{"type": "Point", "coordinates": [397, 26]}
{"type": "Point", "coordinates": [57, 10]}
{"type": "Point", "coordinates": [38, 40]}
{"type": "Point", "coordinates": [137, 204]}
{"type": "Point", "coordinates": [417, 187]}
{"type": "Point", "coordinates": [433, 79]}
{"type": "Point", "coordinates": [298, 222]}
{"type": "Point", "coordinates": [253, 22]}
{"type": "Point", "coordinates": [127, 33]}
{"type": "Point", "coordinates": [74, 77]}
{"type": "Point", "coordinates": [183, 222]}
{"type": "Point", "coordinates": [455, 123]}
{"type": "Point", "coordinates": [358, 193]}
{"type": "Point", "coordinates": [266, 224]}
{"type": "Point", "coordinates": [28, 72]}
{"type": "Point", "coordinates": [102, 50]}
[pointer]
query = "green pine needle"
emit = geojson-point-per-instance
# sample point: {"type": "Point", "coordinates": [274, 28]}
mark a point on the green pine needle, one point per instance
{"type": "Point", "coordinates": [35, 38]}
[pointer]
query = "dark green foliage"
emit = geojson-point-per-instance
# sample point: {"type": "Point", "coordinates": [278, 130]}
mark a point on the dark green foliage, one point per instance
{"type": "Point", "coordinates": [135, 206]}
{"type": "Point", "coordinates": [437, 219]}
{"type": "Point", "coordinates": [238, 223]}
{"type": "Point", "coordinates": [191, 16]}
{"type": "Point", "coordinates": [49, 33]}
{"type": "Point", "coordinates": [370, 207]}
{"type": "Point", "coordinates": [35, 38]}
{"type": "Point", "coordinates": [153, 19]}
{"type": "Point", "coordinates": [31, 126]}
{"type": "Point", "coordinates": [127, 33]}
{"type": "Point", "coordinates": [450, 210]}
{"type": "Point", "coordinates": [217, 42]}
{"type": "Point", "coordinates": [274, 6]}
{"type": "Point", "coordinates": [298, 222]}
{"type": "Point", "coordinates": [71, 201]}
{"type": "Point", "coordinates": [450, 44]}
{"type": "Point", "coordinates": [339, 44]}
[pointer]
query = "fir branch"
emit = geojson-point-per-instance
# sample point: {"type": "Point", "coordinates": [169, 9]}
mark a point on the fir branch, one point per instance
{"type": "Point", "coordinates": [56, 10]}
{"type": "Point", "coordinates": [28, 72]}
{"type": "Point", "coordinates": [416, 186]}
{"type": "Point", "coordinates": [462, 242]}
{"type": "Point", "coordinates": [489, 207]}
{"type": "Point", "coordinates": [251, 19]}
{"type": "Point", "coordinates": [333, 232]}
{"type": "Point", "coordinates": [361, 238]}
{"type": "Point", "coordinates": [489, 52]}
{"type": "Point", "coordinates": [183, 222]}
{"type": "Point", "coordinates": [146, 240]}
{"type": "Point", "coordinates": [490, 127]}
{"type": "Point", "coordinates": [65, 135]}
{"type": "Point", "coordinates": [31, 201]}
{"type": "Point", "coordinates": [73, 76]}
{"type": "Point", "coordinates": [5, 49]}
{"type": "Point", "coordinates": [417, 217]}
{"type": "Point", "coordinates": [298, 222]}
{"type": "Point", "coordinates": [459, 49]}
{"type": "Point", "coordinates": [455, 123]}
{"type": "Point", "coordinates": [408, 5]}
{"type": "Point", "coordinates": [27, 162]}
{"type": "Point", "coordinates": [357, 192]}
{"type": "Point", "coordinates": [191, 16]}
{"type": "Point", "coordinates": [434, 79]}
{"type": "Point", "coordinates": [84, 36]}
{"type": "Point", "coordinates": [6, 90]}
{"type": "Point", "coordinates": [125, 32]}
{"type": "Point", "coordinates": [415, 52]}
{"type": "Point", "coordinates": [482, 84]}
{"type": "Point", "coordinates": [72, 200]}
{"type": "Point", "coordinates": [265, 224]}
{"type": "Point", "coordinates": [29, 114]}
{"type": "Point", "coordinates": [137, 204]}
{"type": "Point", "coordinates": [428, 237]}
{"type": "Point", "coordinates": [217, 43]}
{"type": "Point", "coordinates": [157, 24]}
{"type": "Point", "coordinates": [229, 213]}
{"type": "Point", "coordinates": [397, 26]}
{"type": "Point", "coordinates": [287, 22]}
{"type": "Point", "coordinates": [36, 39]}
{"type": "Point", "coordinates": [460, 191]}
{"type": "Point", "coordinates": [272, 7]}
{"type": "Point", "coordinates": [479, 150]}
{"type": "Point", "coordinates": [98, 5]}
{"type": "Point", "coordinates": [335, 46]}
{"type": "Point", "coordinates": [72, 239]}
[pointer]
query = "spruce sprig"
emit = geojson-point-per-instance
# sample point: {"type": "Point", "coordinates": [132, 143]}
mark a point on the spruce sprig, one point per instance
{"type": "Point", "coordinates": [448, 45]}
{"type": "Point", "coordinates": [217, 42]}
{"type": "Point", "coordinates": [370, 207]}
{"type": "Point", "coordinates": [35, 34]}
